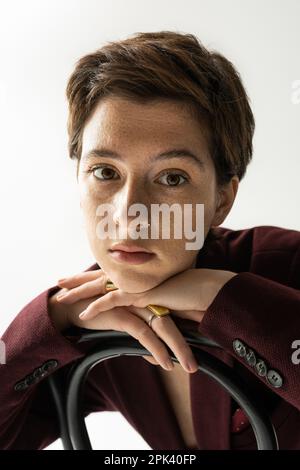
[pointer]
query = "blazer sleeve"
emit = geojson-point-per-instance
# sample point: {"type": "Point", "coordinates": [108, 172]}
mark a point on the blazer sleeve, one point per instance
{"type": "Point", "coordinates": [34, 350]}
{"type": "Point", "coordinates": [256, 320]}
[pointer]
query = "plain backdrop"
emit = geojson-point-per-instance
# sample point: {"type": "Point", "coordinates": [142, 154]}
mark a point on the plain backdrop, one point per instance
{"type": "Point", "coordinates": [42, 237]}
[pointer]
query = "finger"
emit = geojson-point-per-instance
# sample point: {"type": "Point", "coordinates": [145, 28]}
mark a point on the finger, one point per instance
{"type": "Point", "coordinates": [122, 320]}
{"type": "Point", "coordinates": [151, 360]}
{"type": "Point", "coordinates": [84, 291]}
{"type": "Point", "coordinates": [119, 298]}
{"type": "Point", "coordinates": [166, 329]}
{"type": "Point", "coordinates": [111, 300]}
{"type": "Point", "coordinates": [77, 279]}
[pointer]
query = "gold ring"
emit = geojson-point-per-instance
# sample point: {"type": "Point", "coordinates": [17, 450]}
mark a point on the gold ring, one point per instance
{"type": "Point", "coordinates": [110, 286]}
{"type": "Point", "coordinates": [158, 310]}
{"type": "Point", "coordinates": [152, 316]}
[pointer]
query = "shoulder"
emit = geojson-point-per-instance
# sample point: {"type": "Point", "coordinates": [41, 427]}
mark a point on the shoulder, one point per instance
{"type": "Point", "coordinates": [271, 251]}
{"type": "Point", "coordinates": [260, 238]}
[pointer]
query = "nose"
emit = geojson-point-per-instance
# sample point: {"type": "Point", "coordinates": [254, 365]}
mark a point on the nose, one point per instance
{"type": "Point", "coordinates": [131, 202]}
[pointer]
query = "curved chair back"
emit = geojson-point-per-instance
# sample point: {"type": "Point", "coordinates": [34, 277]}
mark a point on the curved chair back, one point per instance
{"type": "Point", "coordinates": [110, 344]}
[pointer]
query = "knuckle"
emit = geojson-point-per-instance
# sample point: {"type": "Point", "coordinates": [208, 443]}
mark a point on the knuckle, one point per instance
{"type": "Point", "coordinates": [122, 297]}
{"type": "Point", "coordinates": [162, 323]}
{"type": "Point", "coordinates": [113, 297]}
{"type": "Point", "coordinates": [74, 292]}
{"type": "Point", "coordinates": [109, 299]}
{"type": "Point", "coordinates": [162, 352]}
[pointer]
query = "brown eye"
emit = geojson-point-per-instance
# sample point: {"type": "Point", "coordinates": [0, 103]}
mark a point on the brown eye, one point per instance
{"type": "Point", "coordinates": [173, 179]}
{"type": "Point", "coordinates": [104, 173]}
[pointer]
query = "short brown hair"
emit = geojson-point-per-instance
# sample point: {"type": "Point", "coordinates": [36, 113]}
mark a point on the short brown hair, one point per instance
{"type": "Point", "coordinates": [168, 64]}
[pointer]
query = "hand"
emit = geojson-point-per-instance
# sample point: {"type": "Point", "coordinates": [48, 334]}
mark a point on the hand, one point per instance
{"type": "Point", "coordinates": [194, 289]}
{"type": "Point", "coordinates": [188, 294]}
{"type": "Point", "coordinates": [87, 286]}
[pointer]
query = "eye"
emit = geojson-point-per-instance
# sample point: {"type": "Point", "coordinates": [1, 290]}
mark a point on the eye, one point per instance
{"type": "Point", "coordinates": [173, 179]}
{"type": "Point", "coordinates": [103, 172]}
{"type": "Point", "coordinates": [106, 173]}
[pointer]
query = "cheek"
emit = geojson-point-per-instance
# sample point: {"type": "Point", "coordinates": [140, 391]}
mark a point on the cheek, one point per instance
{"type": "Point", "coordinates": [176, 252]}
{"type": "Point", "coordinates": [208, 199]}
{"type": "Point", "coordinates": [90, 198]}
{"type": "Point", "coordinates": [87, 192]}
{"type": "Point", "coordinates": [90, 218]}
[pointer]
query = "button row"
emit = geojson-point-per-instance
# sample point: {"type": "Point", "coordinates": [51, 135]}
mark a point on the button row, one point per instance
{"type": "Point", "coordinates": [36, 375]}
{"type": "Point", "coordinates": [272, 376]}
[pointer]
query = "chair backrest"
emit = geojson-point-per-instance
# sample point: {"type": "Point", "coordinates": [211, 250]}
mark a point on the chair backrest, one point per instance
{"type": "Point", "coordinates": [110, 344]}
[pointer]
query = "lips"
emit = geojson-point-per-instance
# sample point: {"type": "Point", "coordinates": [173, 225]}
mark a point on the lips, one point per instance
{"type": "Point", "coordinates": [131, 254]}
{"type": "Point", "coordinates": [129, 248]}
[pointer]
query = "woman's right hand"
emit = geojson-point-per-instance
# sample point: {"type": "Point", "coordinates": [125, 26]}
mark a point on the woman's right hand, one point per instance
{"type": "Point", "coordinates": [81, 289]}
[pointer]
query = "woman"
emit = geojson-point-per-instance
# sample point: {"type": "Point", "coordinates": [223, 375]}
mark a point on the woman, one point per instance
{"type": "Point", "coordinates": [171, 123]}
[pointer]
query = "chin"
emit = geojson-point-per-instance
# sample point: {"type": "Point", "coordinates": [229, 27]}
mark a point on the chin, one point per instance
{"type": "Point", "coordinates": [134, 282]}
{"type": "Point", "coordinates": [129, 280]}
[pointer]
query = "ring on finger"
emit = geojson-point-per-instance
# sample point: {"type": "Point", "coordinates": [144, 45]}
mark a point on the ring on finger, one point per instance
{"type": "Point", "coordinates": [157, 310]}
{"type": "Point", "coordinates": [151, 318]}
{"type": "Point", "coordinates": [109, 286]}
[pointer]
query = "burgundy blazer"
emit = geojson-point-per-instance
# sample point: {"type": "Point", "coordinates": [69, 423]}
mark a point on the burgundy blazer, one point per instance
{"type": "Point", "coordinates": [255, 317]}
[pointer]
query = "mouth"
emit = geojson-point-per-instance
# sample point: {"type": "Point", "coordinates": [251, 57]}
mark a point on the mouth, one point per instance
{"type": "Point", "coordinates": [129, 248]}
{"type": "Point", "coordinates": [131, 254]}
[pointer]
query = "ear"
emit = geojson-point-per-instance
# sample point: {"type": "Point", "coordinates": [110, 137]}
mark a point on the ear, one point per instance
{"type": "Point", "coordinates": [225, 199]}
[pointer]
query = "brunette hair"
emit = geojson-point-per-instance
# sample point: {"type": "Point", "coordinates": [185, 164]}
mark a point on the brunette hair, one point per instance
{"type": "Point", "coordinates": [171, 65]}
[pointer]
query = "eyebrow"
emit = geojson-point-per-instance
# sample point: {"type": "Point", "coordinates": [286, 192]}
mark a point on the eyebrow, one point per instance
{"type": "Point", "coordinates": [180, 153]}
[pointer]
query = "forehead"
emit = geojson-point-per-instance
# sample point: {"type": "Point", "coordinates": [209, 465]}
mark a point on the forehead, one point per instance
{"type": "Point", "coordinates": [118, 121]}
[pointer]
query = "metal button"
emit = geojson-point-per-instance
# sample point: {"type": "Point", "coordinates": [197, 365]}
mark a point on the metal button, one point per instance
{"type": "Point", "coordinates": [261, 368]}
{"type": "Point", "coordinates": [239, 347]}
{"type": "Point", "coordinates": [274, 378]}
{"type": "Point", "coordinates": [49, 365]}
{"type": "Point", "coordinates": [251, 358]}
{"type": "Point", "coordinates": [39, 373]}
{"type": "Point", "coordinates": [30, 380]}
{"type": "Point", "coordinates": [20, 386]}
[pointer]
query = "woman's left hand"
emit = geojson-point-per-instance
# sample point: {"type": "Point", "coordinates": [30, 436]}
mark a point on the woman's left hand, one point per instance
{"type": "Point", "coordinates": [187, 294]}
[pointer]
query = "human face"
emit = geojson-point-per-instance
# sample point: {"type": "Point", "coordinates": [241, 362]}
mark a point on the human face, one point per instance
{"type": "Point", "coordinates": [138, 133]}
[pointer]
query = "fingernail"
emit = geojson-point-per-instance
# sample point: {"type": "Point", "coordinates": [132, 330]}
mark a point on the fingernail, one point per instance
{"type": "Point", "coordinates": [192, 365]}
{"type": "Point", "coordinates": [82, 314]}
{"type": "Point", "coordinates": [60, 296]}
{"type": "Point", "coordinates": [61, 280]}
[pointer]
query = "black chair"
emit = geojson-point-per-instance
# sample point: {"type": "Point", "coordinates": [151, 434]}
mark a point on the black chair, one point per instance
{"type": "Point", "coordinates": [110, 344]}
